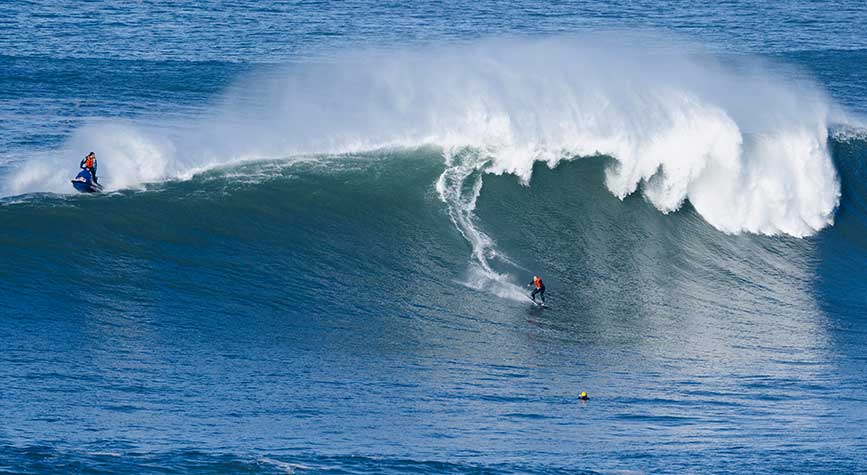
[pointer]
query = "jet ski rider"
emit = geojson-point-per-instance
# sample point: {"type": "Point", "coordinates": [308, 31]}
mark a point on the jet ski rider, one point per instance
{"type": "Point", "coordinates": [89, 164]}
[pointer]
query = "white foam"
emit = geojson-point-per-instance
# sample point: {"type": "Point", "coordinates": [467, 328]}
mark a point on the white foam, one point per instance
{"type": "Point", "coordinates": [287, 467]}
{"type": "Point", "coordinates": [128, 156]}
{"type": "Point", "coordinates": [461, 166]}
{"type": "Point", "coordinates": [742, 142]}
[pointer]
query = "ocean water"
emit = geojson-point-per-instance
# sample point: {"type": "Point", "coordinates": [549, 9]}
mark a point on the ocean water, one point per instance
{"type": "Point", "coordinates": [321, 217]}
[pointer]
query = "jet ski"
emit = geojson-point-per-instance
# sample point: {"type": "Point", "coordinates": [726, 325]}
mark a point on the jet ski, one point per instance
{"type": "Point", "coordinates": [84, 183]}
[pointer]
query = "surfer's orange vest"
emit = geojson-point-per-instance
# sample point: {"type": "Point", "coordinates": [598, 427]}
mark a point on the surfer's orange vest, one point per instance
{"type": "Point", "coordinates": [88, 162]}
{"type": "Point", "coordinates": [537, 282]}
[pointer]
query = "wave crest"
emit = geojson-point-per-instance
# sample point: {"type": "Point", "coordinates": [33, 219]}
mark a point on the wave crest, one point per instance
{"type": "Point", "coordinates": [744, 142]}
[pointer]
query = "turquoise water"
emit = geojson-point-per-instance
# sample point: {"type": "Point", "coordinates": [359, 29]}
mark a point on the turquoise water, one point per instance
{"type": "Point", "coordinates": [321, 218]}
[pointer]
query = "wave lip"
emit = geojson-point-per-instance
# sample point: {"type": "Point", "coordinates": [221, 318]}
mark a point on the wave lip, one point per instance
{"type": "Point", "coordinates": [739, 139]}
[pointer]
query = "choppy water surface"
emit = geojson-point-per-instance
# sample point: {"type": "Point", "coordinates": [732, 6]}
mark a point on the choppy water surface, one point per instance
{"type": "Point", "coordinates": [321, 219]}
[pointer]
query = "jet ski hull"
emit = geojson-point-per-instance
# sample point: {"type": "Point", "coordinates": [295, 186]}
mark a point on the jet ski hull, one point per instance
{"type": "Point", "coordinates": [83, 182]}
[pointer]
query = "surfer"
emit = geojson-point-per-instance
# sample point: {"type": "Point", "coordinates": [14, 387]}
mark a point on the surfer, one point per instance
{"type": "Point", "coordinates": [540, 289]}
{"type": "Point", "coordinates": [89, 164]}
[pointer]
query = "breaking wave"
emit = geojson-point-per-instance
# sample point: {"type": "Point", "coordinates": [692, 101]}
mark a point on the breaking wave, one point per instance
{"type": "Point", "coordinates": [744, 142]}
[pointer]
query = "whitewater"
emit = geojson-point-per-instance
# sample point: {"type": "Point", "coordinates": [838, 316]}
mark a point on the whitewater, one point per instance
{"type": "Point", "coordinates": [745, 145]}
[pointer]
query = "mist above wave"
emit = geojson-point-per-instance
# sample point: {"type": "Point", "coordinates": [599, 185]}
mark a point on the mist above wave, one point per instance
{"type": "Point", "coordinates": [744, 142]}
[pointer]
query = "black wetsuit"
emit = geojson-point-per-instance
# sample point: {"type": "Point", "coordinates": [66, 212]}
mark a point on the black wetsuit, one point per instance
{"type": "Point", "coordinates": [539, 290]}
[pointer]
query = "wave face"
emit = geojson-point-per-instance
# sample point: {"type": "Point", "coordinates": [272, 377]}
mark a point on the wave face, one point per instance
{"type": "Point", "coordinates": [329, 273]}
{"type": "Point", "coordinates": [743, 144]}
{"type": "Point", "coordinates": [459, 223]}
{"type": "Point", "coordinates": [346, 214]}
{"type": "Point", "coordinates": [291, 296]}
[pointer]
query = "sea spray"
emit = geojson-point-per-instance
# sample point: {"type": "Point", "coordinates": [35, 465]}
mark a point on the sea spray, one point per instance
{"type": "Point", "coordinates": [743, 142]}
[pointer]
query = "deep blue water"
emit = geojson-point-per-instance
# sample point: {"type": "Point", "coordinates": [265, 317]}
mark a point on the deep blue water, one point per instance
{"type": "Point", "coordinates": [321, 218]}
